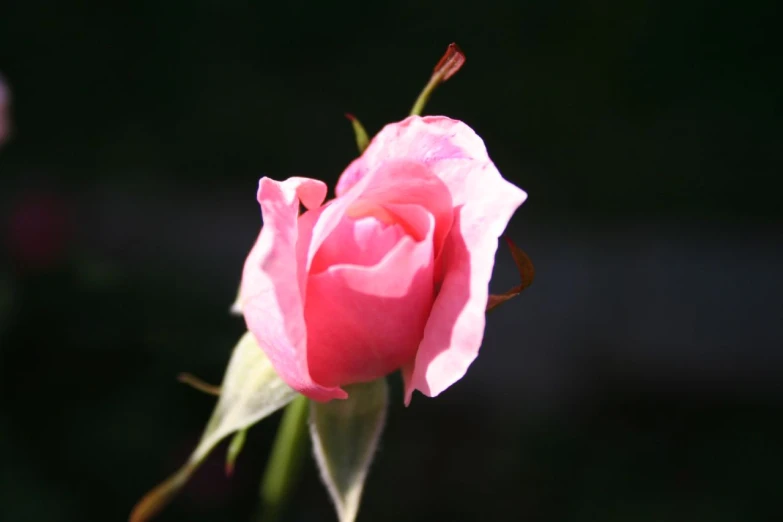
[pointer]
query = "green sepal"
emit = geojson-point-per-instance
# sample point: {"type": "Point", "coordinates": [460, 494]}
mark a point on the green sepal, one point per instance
{"type": "Point", "coordinates": [362, 139]}
{"type": "Point", "coordinates": [251, 390]}
{"type": "Point", "coordinates": [345, 435]}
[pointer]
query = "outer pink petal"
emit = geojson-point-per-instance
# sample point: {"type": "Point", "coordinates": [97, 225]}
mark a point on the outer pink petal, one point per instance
{"type": "Point", "coordinates": [271, 291]}
{"type": "Point", "coordinates": [424, 140]}
{"type": "Point", "coordinates": [455, 328]}
{"type": "Point", "coordinates": [484, 202]}
{"type": "Point", "coordinates": [367, 321]}
{"type": "Point", "coordinates": [449, 148]}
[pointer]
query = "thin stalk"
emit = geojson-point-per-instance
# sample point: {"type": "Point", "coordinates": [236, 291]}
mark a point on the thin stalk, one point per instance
{"type": "Point", "coordinates": [424, 97]}
{"type": "Point", "coordinates": [288, 452]}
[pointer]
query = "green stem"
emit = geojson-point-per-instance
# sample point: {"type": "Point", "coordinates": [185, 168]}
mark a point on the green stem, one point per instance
{"type": "Point", "coordinates": [424, 97]}
{"type": "Point", "coordinates": [285, 460]}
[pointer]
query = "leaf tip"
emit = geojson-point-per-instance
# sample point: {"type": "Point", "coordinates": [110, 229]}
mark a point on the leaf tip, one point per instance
{"type": "Point", "coordinates": [234, 449]}
{"type": "Point", "coordinates": [362, 139]}
{"type": "Point", "coordinates": [156, 499]}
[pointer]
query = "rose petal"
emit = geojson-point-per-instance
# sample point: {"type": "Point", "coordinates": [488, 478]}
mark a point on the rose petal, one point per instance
{"type": "Point", "coordinates": [364, 241]}
{"type": "Point", "coordinates": [409, 183]}
{"type": "Point", "coordinates": [415, 139]}
{"type": "Point", "coordinates": [449, 148]}
{"type": "Point", "coordinates": [483, 203]}
{"type": "Point", "coordinates": [429, 140]}
{"type": "Point", "coordinates": [331, 215]}
{"type": "Point", "coordinates": [271, 283]}
{"type": "Point", "coordinates": [390, 183]}
{"type": "Point", "coordinates": [381, 309]}
{"type": "Point", "coordinates": [455, 328]}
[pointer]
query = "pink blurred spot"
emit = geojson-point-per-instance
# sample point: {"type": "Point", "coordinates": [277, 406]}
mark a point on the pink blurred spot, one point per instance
{"type": "Point", "coordinates": [39, 230]}
{"type": "Point", "coordinates": [5, 112]}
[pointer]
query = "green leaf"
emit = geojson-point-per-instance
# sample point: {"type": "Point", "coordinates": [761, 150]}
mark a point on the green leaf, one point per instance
{"type": "Point", "coordinates": [251, 390]}
{"type": "Point", "coordinates": [345, 435]}
{"type": "Point", "coordinates": [362, 140]}
{"type": "Point", "coordinates": [527, 273]}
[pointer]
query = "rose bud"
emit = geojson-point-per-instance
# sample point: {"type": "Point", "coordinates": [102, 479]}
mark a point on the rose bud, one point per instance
{"type": "Point", "coordinates": [392, 274]}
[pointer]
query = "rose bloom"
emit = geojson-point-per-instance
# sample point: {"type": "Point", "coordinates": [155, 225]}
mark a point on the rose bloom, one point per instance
{"type": "Point", "coordinates": [392, 274]}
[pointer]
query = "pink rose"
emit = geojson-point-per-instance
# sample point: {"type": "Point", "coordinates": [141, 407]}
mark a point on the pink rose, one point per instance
{"type": "Point", "coordinates": [390, 275]}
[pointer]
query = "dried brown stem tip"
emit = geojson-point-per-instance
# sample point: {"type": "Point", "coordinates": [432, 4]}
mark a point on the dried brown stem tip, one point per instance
{"type": "Point", "coordinates": [526, 273]}
{"type": "Point", "coordinates": [198, 384]}
{"type": "Point", "coordinates": [446, 68]}
{"type": "Point", "coordinates": [451, 62]}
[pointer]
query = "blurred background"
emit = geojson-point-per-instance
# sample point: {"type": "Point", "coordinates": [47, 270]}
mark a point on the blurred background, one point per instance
{"type": "Point", "coordinates": [638, 378]}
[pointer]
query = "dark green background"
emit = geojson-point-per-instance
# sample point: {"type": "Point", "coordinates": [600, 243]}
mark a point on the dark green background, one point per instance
{"type": "Point", "coordinates": [638, 128]}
